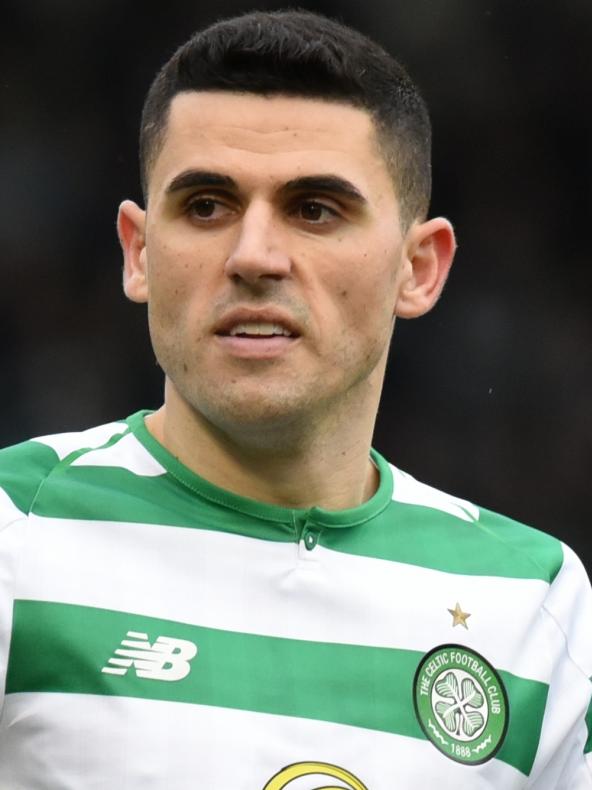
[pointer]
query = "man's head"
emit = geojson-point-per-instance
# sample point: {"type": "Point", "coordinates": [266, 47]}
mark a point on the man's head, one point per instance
{"type": "Point", "coordinates": [285, 229]}
{"type": "Point", "coordinates": [296, 53]}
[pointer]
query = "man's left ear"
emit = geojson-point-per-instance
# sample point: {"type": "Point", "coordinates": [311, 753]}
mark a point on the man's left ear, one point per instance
{"type": "Point", "coordinates": [430, 248]}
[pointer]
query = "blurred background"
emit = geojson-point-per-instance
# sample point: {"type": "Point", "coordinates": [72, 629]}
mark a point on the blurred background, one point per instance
{"type": "Point", "coordinates": [489, 396]}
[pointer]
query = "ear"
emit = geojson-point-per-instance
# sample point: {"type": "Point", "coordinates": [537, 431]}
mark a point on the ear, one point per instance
{"type": "Point", "coordinates": [131, 223]}
{"type": "Point", "coordinates": [430, 248]}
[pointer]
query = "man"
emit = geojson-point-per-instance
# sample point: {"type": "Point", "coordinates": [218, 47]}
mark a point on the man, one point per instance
{"type": "Point", "coordinates": [235, 591]}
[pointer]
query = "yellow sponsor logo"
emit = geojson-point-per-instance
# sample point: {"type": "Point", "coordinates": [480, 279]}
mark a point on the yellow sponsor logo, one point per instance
{"type": "Point", "coordinates": [282, 779]}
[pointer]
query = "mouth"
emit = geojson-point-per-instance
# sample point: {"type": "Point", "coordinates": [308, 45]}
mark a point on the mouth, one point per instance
{"type": "Point", "coordinates": [257, 323]}
{"type": "Point", "coordinates": [256, 334]}
{"type": "Point", "coordinates": [254, 329]}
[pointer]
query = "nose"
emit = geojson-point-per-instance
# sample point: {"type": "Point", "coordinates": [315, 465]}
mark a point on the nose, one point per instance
{"type": "Point", "coordinates": [259, 251]}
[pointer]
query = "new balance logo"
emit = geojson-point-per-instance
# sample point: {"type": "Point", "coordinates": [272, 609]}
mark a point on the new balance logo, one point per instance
{"type": "Point", "coordinates": [166, 659]}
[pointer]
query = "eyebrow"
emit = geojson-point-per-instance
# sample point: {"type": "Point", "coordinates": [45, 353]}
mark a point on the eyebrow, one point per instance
{"type": "Point", "coordinates": [325, 183]}
{"type": "Point", "coordinates": [328, 183]}
{"type": "Point", "coordinates": [189, 179]}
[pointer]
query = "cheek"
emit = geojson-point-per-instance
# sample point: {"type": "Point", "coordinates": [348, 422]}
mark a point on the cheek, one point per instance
{"type": "Point", "coordinates": [366, 288]}
{"type": "Point", "coordinates": [174, 281]}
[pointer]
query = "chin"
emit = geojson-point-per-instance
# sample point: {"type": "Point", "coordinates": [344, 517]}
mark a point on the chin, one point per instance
{"type": "Point", "coordinates": [258, 418]}
{"type": "Point", "coordinates": [260, 413]}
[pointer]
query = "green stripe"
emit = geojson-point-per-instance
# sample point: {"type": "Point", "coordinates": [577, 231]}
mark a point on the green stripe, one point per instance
{"type": "Point", "coordinates": [116, 494]}
{"type": "Point", "coordinates": [367, 687]}
{"type": "Point", "coordinates": [494, 546]}
{"type": "Point", "coordinates": [403, 533]}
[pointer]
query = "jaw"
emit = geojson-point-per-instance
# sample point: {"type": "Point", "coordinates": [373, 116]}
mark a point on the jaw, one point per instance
{"type": "Point", "coordinates": [271, 394]}
{"type": "Point", "coordinates": [252, 415]}
{"type": "Point", "coordinates": [266, 407]}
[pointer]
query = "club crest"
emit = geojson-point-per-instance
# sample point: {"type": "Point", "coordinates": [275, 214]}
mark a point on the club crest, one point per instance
{"type": "Point", "coordinates": [461, 703]}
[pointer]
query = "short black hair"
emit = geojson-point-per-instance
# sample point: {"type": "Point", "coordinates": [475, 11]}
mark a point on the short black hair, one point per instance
{"type": "Point", "coordinates": [303, 54]}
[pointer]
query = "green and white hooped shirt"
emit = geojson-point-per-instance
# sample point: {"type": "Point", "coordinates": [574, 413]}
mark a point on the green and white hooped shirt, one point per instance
{"type": "Point", "coordinates": [159, 633]}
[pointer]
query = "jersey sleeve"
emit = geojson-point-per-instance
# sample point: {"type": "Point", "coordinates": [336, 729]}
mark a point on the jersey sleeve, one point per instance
{"type": "Point", "coordinates": [23, 470]}
{"type": "Point", "coordinates": [564, 758]}
{"type": "Point", "coordinates": [23, 467]}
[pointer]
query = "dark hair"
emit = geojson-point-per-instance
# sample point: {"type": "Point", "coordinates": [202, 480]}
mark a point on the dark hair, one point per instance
{"type": "Point", "coordinates": [298, 53]}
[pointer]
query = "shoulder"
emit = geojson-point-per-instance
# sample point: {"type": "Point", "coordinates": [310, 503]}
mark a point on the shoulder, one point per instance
{"type": "Point", "coordinates": [25, 466]}
{"type": "Point", "coordinates": [475, 539]}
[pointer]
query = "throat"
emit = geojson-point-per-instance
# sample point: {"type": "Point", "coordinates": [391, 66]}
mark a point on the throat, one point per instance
{"type": "Point", "coordinates": [295, 463]}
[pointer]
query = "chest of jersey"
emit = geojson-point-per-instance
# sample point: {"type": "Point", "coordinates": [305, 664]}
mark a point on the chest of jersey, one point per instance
{"type": "Point", "coordinates": [150, 656]}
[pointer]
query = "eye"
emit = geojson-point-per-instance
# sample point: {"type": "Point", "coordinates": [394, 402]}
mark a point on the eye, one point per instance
{"type": "Point", "coordinates": [315, 212]}
{"type": "Point", "coordinates": [207, 208]}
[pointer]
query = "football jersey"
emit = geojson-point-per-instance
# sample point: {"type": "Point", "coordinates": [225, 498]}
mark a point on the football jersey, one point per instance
{"type": "Point", "coordinates": [160, 633]}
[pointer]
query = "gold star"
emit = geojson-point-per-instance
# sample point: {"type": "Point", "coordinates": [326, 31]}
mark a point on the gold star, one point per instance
{"type": "Point", "coordinates": [458, 616]}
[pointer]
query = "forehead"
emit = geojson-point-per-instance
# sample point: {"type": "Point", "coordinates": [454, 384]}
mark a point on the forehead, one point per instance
{"type": "Point", "coordinates": [276, 137]}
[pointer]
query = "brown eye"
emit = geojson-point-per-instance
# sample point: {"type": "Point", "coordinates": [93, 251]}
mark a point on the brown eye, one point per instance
{"type": "Point", "coordinates": [311, 211]}
{"type": "Point", "coordinates": [208, 209]}
{"type": "Point", "coordinates": [203, 208]}
{"type": "Point", "coordinates": [315, 212]}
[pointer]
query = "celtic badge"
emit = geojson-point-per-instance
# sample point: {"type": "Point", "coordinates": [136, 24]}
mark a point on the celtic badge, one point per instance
{"type": "Point", "coordinates": [461, 703]}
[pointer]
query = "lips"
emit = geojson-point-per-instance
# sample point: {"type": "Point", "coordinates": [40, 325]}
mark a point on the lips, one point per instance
{"type": "Point", "coordinates": [257, 324]}
{"type": "Point", "coordinates": [252, 335]}
{"type": "Point", "coordinates": [255, 329]}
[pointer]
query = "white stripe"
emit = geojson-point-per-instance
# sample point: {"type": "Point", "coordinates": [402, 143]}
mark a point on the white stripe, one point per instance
{"type": "Point", "coordinates": [236, 583]}
{"type": "Point", "coordinates": [581, 778]}
{"type": "Point", "coordinates": [409, 491]}
{"type": "Point", "coordinates": [91, 741]}
{"type": "Point", "coordinates": [8, 510]}
{"type": "Point", "coordinates": [11, 542]}
{"type": "Point", "coordinates": [560, 755]}
{"type": "Point", "coordinates": [570, 605]}
{"type": "Point", "coordinates": [65, 443]}
{"type": "Point", "coordinates": [127, 453]}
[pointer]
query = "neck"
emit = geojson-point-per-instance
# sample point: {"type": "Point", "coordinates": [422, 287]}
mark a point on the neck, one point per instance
{"type": "Point", "coordinates": [324, 465]}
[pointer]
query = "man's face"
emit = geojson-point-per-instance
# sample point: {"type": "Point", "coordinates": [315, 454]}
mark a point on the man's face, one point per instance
{"type": "Point", "coordinates": [273, 257]}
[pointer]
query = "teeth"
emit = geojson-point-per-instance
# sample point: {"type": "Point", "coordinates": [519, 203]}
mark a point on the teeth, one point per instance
{"type": "Point", "coordinates": [259, 329]}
